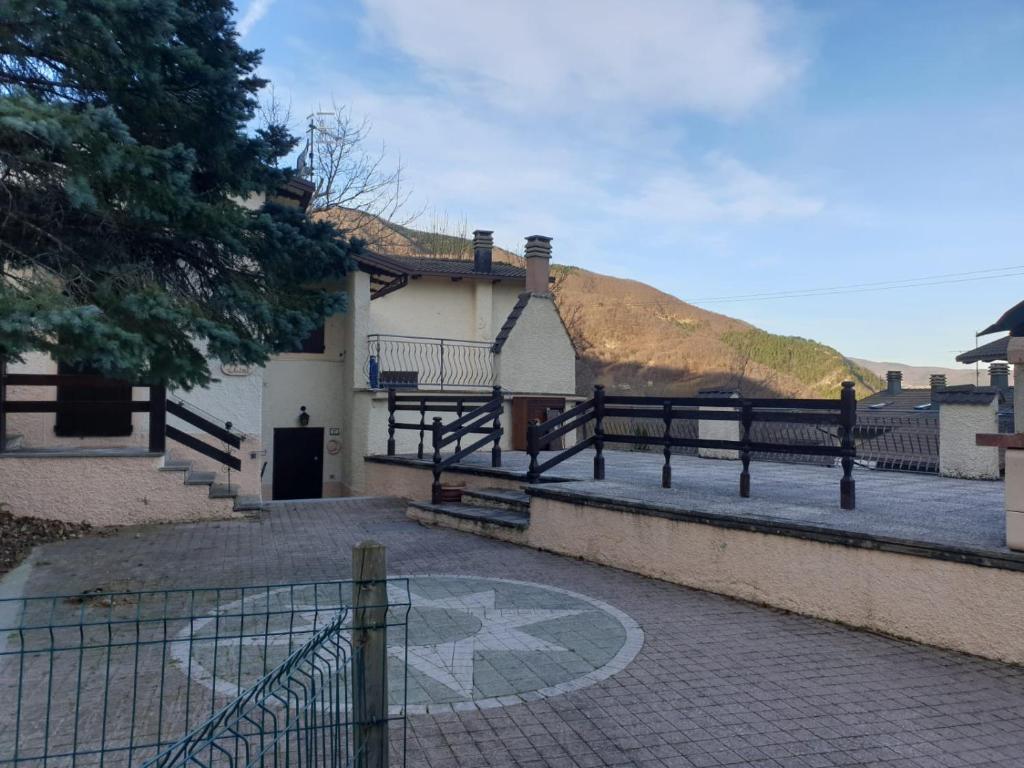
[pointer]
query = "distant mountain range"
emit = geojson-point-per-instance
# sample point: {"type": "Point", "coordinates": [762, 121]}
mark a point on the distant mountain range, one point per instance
{"type": "Point", "coordinates": [918, 376]}
{"type": "Point", "coordinates": [634, 338]}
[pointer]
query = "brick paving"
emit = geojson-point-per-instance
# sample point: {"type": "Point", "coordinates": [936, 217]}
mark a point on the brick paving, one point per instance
{"type": "Point", "coordinates": [716, 682]}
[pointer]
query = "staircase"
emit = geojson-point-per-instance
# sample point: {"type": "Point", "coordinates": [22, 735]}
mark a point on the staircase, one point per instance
{"type": "Point", "coordinates": [215, 490]}
{"type": "Point", "coordinates": [498, 513]}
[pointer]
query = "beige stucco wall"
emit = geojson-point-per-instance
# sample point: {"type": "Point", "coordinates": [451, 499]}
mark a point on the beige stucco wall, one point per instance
{"type": "Point", "coordinates": [441, 308]}
{"type": "Point", "coordinates": [538, 357]}
{"type": "Point", "coordinates": [403, 481]}
{"type": "Point", "coordinates": [959, 456]}
{"type": "Point", "coordinates": [952, 605]}
{"type": "Point", "coordinates": [119, 490]}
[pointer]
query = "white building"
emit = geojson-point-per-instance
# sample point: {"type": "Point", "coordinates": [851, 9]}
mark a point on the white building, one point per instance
{"type": "Point", "coordinates": [309, 417]}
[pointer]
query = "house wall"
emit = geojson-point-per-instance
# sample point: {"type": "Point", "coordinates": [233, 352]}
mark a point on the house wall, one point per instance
{"type": "Point", "coordinates": [959, 456]}
{"type": "Point", "coordinates": [441, 308]}
{"type": "Point", "coordinates": [538, 357]}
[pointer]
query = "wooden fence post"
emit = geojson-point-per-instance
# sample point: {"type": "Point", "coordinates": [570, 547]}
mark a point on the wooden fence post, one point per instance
{"type": "Point", "coordinates": [532, 448]}
{"type": "Point", "coordinates": [391, 423]}
{"type": "Point", "coordinates": [436, 436]}
{"type": "Point", "coordinates": [599, 432]}
{"type": "Point", "coordinates": [157, 419]}
{"type": "Point", "coordinates": [666, 470]}
{"type": "Point", "coordinates": [369, 655]}
{"type": "Point", "coordinates": [746, 421]}
{"type": "Point", "coordinates": [848, 420]}
{"type": "Point", "coordinates": [496, 448]}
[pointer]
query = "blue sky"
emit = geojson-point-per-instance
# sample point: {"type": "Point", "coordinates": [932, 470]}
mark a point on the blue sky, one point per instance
{"type": "Point", "coordinates": [711, 148]}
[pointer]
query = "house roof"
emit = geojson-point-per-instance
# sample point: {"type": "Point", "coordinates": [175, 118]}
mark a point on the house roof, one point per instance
{"type": "Point", "coordinates": [986, 353]}
{"type": "Point", "coordinates": [418, 266]}
{"type": "Point", "coordinates": [967, 395]}
{"type": "Point", "coordinates": [510, 323]}
{"type": "Point", "coordinates": [905, 400]}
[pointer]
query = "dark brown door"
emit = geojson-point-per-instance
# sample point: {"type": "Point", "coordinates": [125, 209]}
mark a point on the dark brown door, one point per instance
{"type": "Point", "coordinates": [527, 409]}
{"type": "Point", "coordinates": [93, 421]}
{"type": "Point", "coordinates": [298, 463]}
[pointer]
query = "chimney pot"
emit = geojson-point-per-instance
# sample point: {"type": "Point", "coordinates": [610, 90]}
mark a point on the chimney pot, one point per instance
{"type": "Point", "coordinates": [538, 263]}
{"type": "Point", "coordinates": [999, 375]}
{"type": "Point", "coordinates": [483, 248]}
{"type": "Point", "coordinates": [937, 381]}
{"type": "Point", "coordinates": [894, 382]}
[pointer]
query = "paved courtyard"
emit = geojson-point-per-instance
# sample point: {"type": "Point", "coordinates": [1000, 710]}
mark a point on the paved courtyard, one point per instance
{"type": "Point", "coordinates": [522, 658]}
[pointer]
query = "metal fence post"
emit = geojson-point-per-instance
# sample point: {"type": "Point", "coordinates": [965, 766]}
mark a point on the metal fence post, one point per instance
{"type": "Point", "coordinates": [442, 365]}
{"type": "Point", "coordinates": [157, 419]}
{"type": "Point", "coordinates": [848, 419]}
{"type": "Point", "coordinates": [391, 421]}
{"type": "Point", "coordinates": [369, 655]}
{"type": "Point", "coordinates": [435, 487]}
{"type": "Point", "coordinates": [599, 431]}
{"type": "Point", "coordinates": [496, 448]}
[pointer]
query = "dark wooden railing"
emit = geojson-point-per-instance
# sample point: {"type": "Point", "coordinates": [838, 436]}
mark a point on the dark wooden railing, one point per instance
{"type": "Point", "coordinates": [841, 412]}
{"type": "Point", "coordinates": [475, 415]}
{"type": "Point", "coordinates": [157, 406]}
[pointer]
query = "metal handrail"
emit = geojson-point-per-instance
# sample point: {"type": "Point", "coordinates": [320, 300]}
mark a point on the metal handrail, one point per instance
{"type": "Point", "coordinates": [423, 362]}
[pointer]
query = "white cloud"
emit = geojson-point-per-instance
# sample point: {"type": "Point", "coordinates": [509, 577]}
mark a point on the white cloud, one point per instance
{"type": "Point", "coordinates": [712, 56]}
{"type": "Point", "coordinates": [255, 11]}
{"type": "Point", "coordinates": [724, 190]}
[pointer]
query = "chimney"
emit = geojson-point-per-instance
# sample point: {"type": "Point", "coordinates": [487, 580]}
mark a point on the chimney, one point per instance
{"type": "Point", "coordinates": [894, 382]}
{"type": "Point", "coordinates": [938, 381]}
{"type": "Point", "coordinates": [483, 245]}
{"type": "Point", "coordinates": [999, 375]}
{"type": "Point", "coordinates": [538, 263]}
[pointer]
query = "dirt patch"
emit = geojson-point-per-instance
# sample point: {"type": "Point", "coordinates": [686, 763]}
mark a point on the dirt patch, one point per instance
{"type": "Point", "coordinates": [19, 534]}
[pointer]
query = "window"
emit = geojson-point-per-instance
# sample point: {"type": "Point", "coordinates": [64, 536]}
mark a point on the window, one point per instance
{"type": "Point", "coordinates": [314, 343]}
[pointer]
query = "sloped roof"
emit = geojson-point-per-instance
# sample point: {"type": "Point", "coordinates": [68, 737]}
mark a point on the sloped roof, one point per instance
{"type": "Point", "coordinates": [418, 266]}
{"type": "Point", "coordinates": [986, 353]}
{"type": "Point", "coordinates": [906, 400]}
{"type": "Point", "coordinates": [510, 323]}
{"type": "Point", "coordinates": [967, 395]}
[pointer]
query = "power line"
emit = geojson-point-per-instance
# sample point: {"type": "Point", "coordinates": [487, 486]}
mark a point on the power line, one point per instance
{"type": "Point", "coordinates": [863, 285]}
{"type": "Point", "coordinates": [883, 285]}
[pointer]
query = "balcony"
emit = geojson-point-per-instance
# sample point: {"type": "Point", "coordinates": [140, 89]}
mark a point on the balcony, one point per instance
{"type": "Point", "coordinates": [417, 362]}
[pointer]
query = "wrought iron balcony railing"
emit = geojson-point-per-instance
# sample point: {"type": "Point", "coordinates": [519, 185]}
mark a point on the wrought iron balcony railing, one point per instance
{"type": "Point", "coordinates": [416, 362]}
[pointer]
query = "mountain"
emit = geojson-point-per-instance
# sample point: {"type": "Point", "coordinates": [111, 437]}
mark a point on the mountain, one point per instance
{"type": "Point", "coordinates": [634, 338]}
{"type": "Point", "coordinates": [917, 376]}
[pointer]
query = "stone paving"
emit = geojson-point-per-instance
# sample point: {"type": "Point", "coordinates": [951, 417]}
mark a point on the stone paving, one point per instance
{"type": "Point", "coordinates": [572, 664]}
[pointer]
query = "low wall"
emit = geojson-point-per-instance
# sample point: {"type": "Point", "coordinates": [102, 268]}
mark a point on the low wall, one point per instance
{"type": "Point", "coordinates": [967, 608]}
{"type": "Point", "coordinates": [407, 481]}
{"type": "Point", "coordinates": [103, 490]}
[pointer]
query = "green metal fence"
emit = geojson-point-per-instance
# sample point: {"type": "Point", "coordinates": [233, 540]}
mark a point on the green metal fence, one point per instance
{"type": "Point", "coordinates": [249, 676]}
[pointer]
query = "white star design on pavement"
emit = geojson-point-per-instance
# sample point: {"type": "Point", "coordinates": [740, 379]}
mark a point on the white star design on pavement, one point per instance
{"type": "Point", "coordinates": [451, 663]}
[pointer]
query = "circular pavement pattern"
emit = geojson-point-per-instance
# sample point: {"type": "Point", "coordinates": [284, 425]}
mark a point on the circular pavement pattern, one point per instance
{"type": "Point", "coordinates": [471, 642]}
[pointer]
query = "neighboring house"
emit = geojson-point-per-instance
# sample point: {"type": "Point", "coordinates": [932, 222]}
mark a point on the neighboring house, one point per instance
{"type": "Point", "coordinates": [310, 417]}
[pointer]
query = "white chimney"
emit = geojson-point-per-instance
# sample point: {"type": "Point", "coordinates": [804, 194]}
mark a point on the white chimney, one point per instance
{"type": "Point", "coordinates": [538, 263]}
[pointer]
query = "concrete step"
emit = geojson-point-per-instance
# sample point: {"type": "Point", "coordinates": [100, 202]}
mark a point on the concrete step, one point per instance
{"type": "Point", "coordinates": [248, 503]}
{"type": "Point", "coordinates": [175, 465]}
{"type": "Point", "coordinates": [500, 498]}
{"type": "Point", "coordinates": [200, 478]}
{"type": "Point", "coordinates": [505, 518]}
{"type": "Point", "coordinates": [223, 491]}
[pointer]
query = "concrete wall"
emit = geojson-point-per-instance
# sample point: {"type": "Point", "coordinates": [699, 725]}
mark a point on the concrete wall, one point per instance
{"type": "Point", "coordinates": [964, 607]}
{"type": "Point", "coordinates": [538, 357]}
{"type": "Point", "coordinates": [109, 490]}
{"type": "Point", "coordinates": [958, 454]}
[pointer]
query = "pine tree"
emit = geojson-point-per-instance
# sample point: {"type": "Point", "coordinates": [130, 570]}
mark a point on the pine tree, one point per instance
{"type": "Point", "coordinates": [124, 154]}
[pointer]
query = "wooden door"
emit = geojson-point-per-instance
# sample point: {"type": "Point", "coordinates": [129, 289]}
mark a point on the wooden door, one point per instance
{"type": "Point", "coordinates": [527, 409]}
{"type": "Point", "coordinates": [298, 463]}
